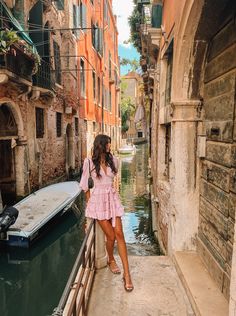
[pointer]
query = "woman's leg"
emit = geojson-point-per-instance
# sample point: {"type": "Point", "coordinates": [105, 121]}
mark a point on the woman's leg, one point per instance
{"type": "Point", "coordinates": [110, 240]}
{"type": "Point", "coordinates": [119, 235]}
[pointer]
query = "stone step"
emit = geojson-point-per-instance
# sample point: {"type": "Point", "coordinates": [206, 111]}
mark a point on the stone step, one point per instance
{"type": "Point", "coordinates": [203, 293]}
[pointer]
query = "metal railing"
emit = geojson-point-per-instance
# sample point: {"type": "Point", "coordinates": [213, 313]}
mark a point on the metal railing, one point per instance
{"type": "Point", "coordinates": [44, 78]}
{"type": "Point", "coordinates": [74, 300]}
{"type": "Point", "coordinates": [18, 63]}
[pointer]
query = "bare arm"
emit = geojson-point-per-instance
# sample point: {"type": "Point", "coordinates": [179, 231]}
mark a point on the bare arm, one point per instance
{"type": "Point", "coordinates": [87, 195]}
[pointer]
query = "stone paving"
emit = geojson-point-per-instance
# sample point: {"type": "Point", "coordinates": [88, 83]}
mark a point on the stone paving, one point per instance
{"type": "Point", "coordinates": [158, 290]}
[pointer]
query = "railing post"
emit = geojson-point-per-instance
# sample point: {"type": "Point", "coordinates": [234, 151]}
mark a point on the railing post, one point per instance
{"type": "Point", "coordinates": [100, 249]}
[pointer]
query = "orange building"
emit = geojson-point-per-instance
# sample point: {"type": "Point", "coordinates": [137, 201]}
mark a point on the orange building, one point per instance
{"type": "Point", "coordinates": [98, 64]}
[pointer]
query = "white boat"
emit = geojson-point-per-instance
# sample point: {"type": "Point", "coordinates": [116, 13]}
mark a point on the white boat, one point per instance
{"type": "Point", "coordinates": [127, 149]}
{"type": "Point", "coordinates": [37, 210]}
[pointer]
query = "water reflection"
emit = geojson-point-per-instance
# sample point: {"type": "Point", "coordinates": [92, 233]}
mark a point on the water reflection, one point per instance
{"type": "Point", "coordinates": [31, 282]}
{"type": "Point", "coordinates": [134, 192]}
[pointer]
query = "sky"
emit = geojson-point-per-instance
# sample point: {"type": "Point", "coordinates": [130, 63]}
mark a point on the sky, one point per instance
{"type": "Point", "coordinates": [123, 9]}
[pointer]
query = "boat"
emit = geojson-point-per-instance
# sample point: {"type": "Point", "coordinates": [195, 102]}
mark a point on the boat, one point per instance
{"type": "Point", "coordinates": [127, 149]}
{"type": "Point", "coordinates": [36, 212]}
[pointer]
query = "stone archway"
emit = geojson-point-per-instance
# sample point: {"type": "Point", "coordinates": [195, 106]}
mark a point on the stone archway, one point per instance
{"type": "Point", "coordinates": [12, 153]}
{"type": "Point", "coordinates": [70, 157]}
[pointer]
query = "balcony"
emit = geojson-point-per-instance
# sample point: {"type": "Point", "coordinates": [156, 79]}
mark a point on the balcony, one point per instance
{"type": "Point", "coordinates": [17, 65]}
{"type": "Point", "coordinates": [44, 77]}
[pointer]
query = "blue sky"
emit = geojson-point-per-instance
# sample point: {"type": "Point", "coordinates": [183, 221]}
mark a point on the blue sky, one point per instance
{"type": "Point", "coordinates": [127, 52]}
{"type": "Point", "coordinates": [123, 9]}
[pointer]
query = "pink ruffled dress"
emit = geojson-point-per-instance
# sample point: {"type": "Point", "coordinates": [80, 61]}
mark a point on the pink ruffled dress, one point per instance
{"type": "Point", "coordinates": [104, 202]}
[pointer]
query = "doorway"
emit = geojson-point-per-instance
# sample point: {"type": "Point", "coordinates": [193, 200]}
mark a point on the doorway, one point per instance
{"type": "Point", "coordinates": [8, 134]}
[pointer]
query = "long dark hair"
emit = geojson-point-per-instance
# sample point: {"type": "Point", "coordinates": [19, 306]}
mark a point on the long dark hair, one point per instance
{"type": "Point", "coordinates": [99, 148]}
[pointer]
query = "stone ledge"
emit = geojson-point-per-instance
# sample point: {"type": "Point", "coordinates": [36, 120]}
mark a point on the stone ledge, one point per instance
{"type": "Point", "coordinates": [203, 293]}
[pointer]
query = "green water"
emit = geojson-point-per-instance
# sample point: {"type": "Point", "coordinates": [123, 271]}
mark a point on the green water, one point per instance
{"type": "Point", "coordinates": [134, 192]}
{"type": "Point", "coordinates": [32, 282]}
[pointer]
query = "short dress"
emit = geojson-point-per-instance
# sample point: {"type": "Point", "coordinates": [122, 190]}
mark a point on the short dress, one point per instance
{"type": "Point", "coordinates": [104, 202]}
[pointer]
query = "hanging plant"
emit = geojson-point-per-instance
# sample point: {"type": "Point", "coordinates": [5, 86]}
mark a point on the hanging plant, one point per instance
{"type": "Point", "coordinates": [7, 38]}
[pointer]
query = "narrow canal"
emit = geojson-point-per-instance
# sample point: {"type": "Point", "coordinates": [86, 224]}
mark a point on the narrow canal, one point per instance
{"type": "Point", "coordinates": [31, 282]}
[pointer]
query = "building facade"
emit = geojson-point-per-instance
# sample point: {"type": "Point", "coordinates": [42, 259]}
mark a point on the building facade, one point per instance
{"type": "Point", "coordinates": [190, 58]}
{"type": "Point", "coordinates": [98, 65]}
{"type": "Point", "coordinates": [50, 99]}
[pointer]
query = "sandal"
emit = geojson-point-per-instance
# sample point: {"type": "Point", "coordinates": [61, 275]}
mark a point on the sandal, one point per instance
{"type": "Point", "coordinates": [113, 267]}
{"type": "Point", "coordinates": [128, 286]}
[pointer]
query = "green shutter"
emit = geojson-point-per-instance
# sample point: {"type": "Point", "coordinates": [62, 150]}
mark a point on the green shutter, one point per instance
{"type": "Point", "coordinates": [156, 16]}
{"type": "Point", "coordinates": [100, 38]}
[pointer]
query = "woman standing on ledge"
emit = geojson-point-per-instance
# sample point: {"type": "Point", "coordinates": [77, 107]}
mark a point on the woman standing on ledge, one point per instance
{"type": "Point", "coordinates": [104, 204]}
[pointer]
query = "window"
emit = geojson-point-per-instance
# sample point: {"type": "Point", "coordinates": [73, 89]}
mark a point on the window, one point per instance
{"type": "Point", "coordinates": [94, 127]}
{"type": "Point", "coordinates": [57, 61]}
{"type": "Point", "coordinates": [59, 4]}
{"type": "Point", "coordinates": [94, 35]}
{"type": "Point", "coordinates": [76, 126]}
{"type": "Point", "coordinates": [99, 90]}
{"type": "Point", "coordinates": [169, 74]}
{"type": "Point", "coordinates": [58, 123]}
{"type": "Point", "coordinates": [86, 125]}
{"type": "Point", "coordinates": [109, 65]}
{"type": "Point", "coordinates": [110, 104]}
{"type": "Point", "coordinates": [79, 18]}
{"type": "Point", "coordinates": [94, 86]}
{"type": "Point", "coordinates": [105, 10]}
{"type": "Point", "coordinates": [82, 78]}
{"type": "Point", "coordinates": [39, 113]}
{"type": "Point", "coordinates": [103, 96]}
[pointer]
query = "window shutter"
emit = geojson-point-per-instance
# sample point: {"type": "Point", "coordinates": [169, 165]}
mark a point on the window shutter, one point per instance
{"type": "Point", "coordinates": [74, 17]}
{"type": "Point", "coordinates": [100, 43]}
{"type": "Point", "coordinates": [84, 17]}
{"type": "Point", "coordinates": [96, 38]}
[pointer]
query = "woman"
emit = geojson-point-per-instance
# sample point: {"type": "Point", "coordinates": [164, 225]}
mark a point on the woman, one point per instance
{"type": "Point", "coordinates": [104, 204]}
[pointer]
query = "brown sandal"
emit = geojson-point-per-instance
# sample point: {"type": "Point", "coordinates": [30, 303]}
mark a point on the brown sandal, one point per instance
{"type": "Point", "coordinates": [115, 269]}
{"type": "Point", "coordinates": [128, 286]}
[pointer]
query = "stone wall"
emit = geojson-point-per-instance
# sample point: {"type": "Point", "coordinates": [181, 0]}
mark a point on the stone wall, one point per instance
{"type": "Point", "coordinates": [218, 188]}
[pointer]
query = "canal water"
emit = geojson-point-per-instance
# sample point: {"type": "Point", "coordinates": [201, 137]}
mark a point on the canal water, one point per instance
{"type": "Point", "coordinates": [32, 281]}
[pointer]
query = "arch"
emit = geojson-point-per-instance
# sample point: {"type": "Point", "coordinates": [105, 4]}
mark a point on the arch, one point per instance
{"type": "Point", "coordinates": [16, 113]}
{"type": "Point", "coordinates": [197, 25]}
{"type": "Point", "coordinates": [12, 175]}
